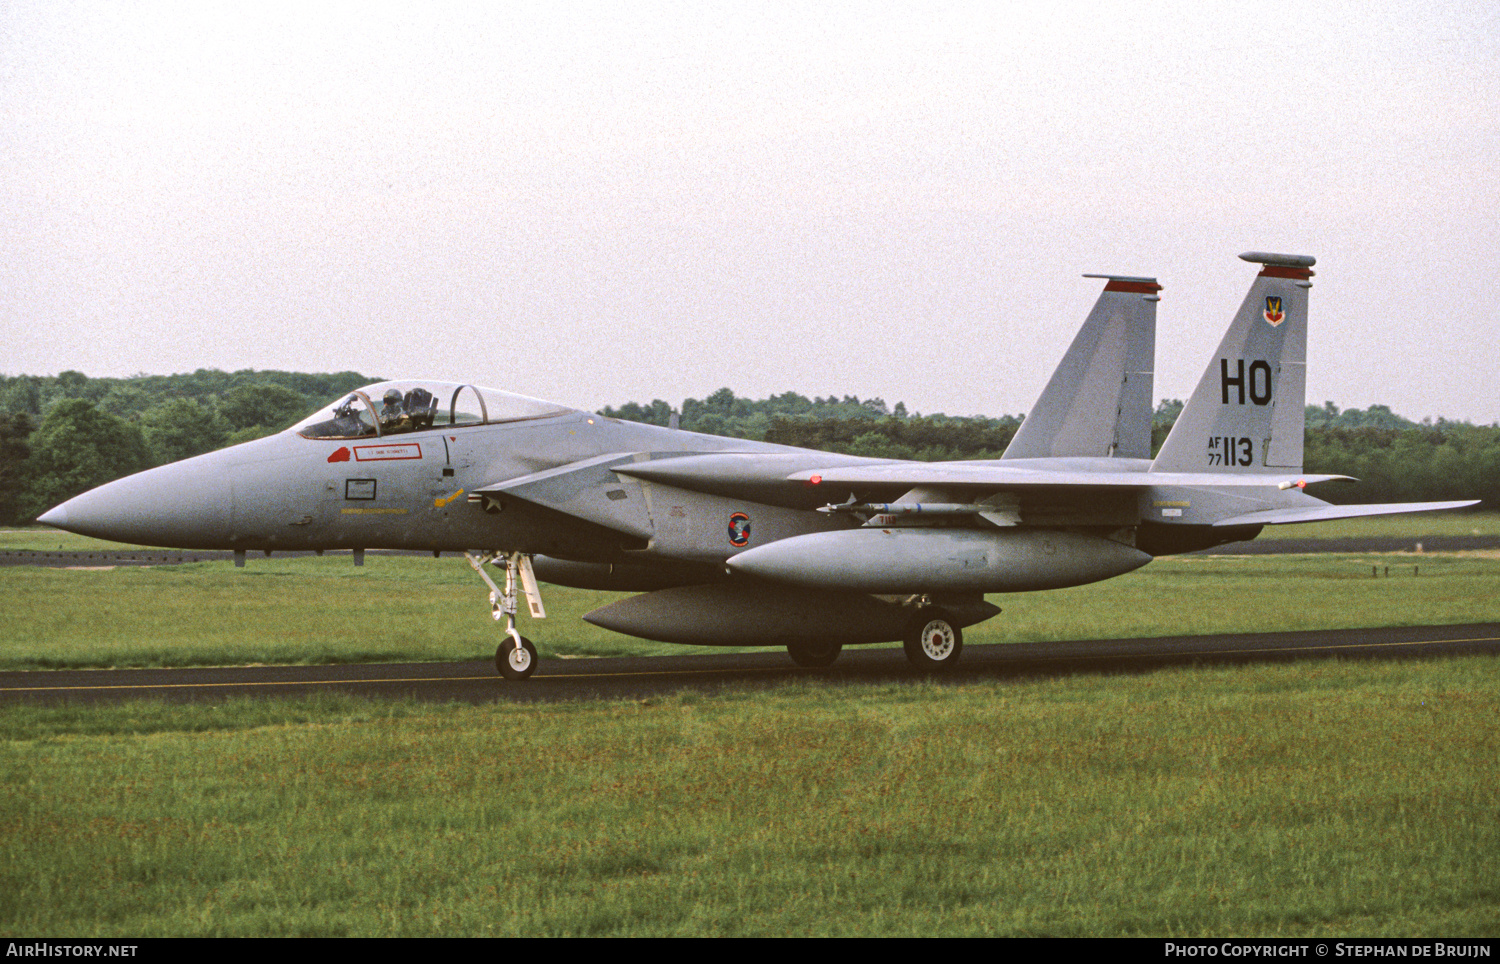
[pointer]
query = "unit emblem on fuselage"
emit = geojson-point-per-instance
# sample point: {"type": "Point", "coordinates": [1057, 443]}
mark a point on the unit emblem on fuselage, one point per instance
{"type": "Point", "coordinates": [739, 530]}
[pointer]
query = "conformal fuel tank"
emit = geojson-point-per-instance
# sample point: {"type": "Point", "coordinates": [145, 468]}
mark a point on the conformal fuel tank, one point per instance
{"type": "Point", "coordinates": [940, 560]}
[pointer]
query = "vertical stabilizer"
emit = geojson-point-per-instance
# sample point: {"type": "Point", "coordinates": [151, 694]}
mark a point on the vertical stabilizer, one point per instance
{"type": "Point", "coordinates": [1246, 415]}
{"type": "Point", "coordinates": [1098, 402]}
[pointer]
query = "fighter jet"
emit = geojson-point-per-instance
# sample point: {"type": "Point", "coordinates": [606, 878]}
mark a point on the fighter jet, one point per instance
{"type": "Point", "coordinates": [740, 543]}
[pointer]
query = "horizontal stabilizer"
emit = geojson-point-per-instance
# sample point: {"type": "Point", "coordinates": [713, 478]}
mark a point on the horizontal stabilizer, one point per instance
{"type": "Point", "coordinates": [1323, 513]}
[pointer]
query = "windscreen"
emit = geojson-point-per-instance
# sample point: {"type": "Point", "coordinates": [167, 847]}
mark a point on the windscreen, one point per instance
{"type": "Point", "coordinates": [398, 408]}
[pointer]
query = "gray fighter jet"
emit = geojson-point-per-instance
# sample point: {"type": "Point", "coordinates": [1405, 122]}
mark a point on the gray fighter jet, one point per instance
{"type": "Point", "coordinates": [742, 543]}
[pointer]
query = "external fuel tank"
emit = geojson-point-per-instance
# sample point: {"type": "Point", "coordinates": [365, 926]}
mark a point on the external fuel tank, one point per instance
{"type": "Point", "coordinates": [932, 560]}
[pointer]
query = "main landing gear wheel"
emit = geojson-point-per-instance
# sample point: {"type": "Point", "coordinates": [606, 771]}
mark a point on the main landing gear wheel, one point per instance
{"type": "Point", "coordinates": [932, 641]}
{"type": "Point", "coordinates": [516, 660]}
{"type": "Point", "coordinates": [814, 653]}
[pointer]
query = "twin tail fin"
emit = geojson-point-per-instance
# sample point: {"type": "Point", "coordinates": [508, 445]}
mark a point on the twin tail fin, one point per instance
{"type": "Point", "coordinates": [1098, 402]}
{"type": "Point", "coordinates": [1246, 415]}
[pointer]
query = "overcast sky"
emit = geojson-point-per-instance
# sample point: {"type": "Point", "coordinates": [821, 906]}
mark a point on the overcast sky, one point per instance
{"type": "Point", "coordinates": [601, 203]}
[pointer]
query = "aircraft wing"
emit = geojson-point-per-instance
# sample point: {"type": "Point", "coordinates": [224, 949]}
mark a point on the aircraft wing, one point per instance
{"type": "Point", "coordinates": [780, 480]}
{"type": "Point", "coordinates": [767, 479]}
{"type": "Point", "coordinates": [990, 475]}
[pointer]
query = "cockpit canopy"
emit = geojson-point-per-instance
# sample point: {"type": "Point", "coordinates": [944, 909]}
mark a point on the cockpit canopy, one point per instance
{"type": "Point", "coordinates": [398, 408]}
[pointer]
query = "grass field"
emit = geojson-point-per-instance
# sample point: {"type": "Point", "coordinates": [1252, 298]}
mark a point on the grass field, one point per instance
{"type": "Point", "coordinates": [1316, 798]}
{"type": "Point", "coordinates": [399, 608]}
{"type": "Point", "coordinates": [1293, 799]}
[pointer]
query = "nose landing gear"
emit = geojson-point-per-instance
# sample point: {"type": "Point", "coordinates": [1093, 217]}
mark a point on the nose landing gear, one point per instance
{"type": "Point", "coordinates": [515, 658]}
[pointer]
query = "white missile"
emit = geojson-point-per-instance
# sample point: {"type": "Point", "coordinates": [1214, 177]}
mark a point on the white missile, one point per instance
{"type": "Point", "coordinates": [923, 513]}
{"type": "Point", "coordinates": [940, 560]}
{"type": "Point", "coordinates": [909, 508]}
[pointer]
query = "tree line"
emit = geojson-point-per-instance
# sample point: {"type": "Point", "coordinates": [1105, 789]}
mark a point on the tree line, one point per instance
{"type": "Point", "coordinates": [64, 434]}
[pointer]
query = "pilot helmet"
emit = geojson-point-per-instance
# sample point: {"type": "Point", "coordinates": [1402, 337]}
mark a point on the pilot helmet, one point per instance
{"type": "Point", "coordinates": [392, 397]}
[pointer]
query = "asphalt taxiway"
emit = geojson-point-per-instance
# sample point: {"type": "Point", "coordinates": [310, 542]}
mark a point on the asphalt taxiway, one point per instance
{"type": "Point", "coordinates": [643, 677]}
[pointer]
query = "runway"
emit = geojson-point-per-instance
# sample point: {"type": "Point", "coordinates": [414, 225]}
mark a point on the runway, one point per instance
{"type": "Point", "coordinates": [644, 677]}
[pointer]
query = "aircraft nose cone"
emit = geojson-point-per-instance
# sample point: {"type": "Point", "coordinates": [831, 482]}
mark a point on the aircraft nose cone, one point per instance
{"type": "Point", "coordinates": [186, 505]}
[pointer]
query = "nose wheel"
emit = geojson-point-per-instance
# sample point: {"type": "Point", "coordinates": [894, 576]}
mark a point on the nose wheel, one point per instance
{"type": "Point", "coordinates": [516, 657]}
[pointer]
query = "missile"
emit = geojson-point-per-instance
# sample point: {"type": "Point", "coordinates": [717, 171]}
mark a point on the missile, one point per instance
{"type": "Point", "coordinates": [752, 613]}
{"type": "Point", "coordinates": [907, 560]}
{"type": "Point", "coordinates": [909, 508]}
{"type": "Point", "coordinates": [923, 513]}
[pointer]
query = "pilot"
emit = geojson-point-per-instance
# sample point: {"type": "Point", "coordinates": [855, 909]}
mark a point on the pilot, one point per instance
{"type": "Point", "coordinates": [392, 417]}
